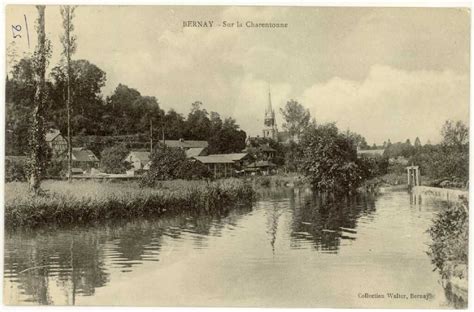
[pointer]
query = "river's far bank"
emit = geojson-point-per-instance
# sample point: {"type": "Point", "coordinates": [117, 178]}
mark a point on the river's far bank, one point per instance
{"type": "Point", "coordinates": [88, 201]}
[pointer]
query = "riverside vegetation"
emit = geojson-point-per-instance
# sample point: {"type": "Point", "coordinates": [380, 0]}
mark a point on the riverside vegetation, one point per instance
{"type": "Point", "coordinates": [449, 249]}
{"type": "Point", "coordinates": [86, 201]}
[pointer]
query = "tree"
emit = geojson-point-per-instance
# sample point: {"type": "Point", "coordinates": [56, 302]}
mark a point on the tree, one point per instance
{"type": "Point", "coordinates": [417, 142]}
{"type": "Point", "coordinates": [19, 97]}
{"type": "Point", "coordinates": [112, 159]}
{"type": "Point", "coordinates": [198, 124]}
{"type": "Point", "coordinates": [165, 162]}
{"type": "Point", "coordinates": [38, 148]}
{"type": "Point", "coordinates": [226, 139]}
{"type": "Point", "coordinates": [330, 159]}
{"type": "Point", "coordinates": [68, 41]}
{"type": "Point", "coordinates": [174, 125]}
{"type": "Point", "coordinates": [296, 118]}
{"type": "Point", "coordinates": [88, 112]}
{"type": "Point", "coordinates": [455, 134]}
{"type": "Point", "coordinates": [357, 139]}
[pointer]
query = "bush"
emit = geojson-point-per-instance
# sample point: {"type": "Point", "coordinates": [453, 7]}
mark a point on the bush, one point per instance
{"type": "Point", "coordinates": [450, 237]}
{"type": "Point", "coordinates": [165, 164]}
{"type": "Point", "coordinates": [192, 170]}
{"type": "Point", "coordinates": [16, 170]}
{"type": "Point", "coordinates": [112, 159]}
{"type": "Point", "coordinates": [56, 168]}
{"type": "Point", "coordinates": [330, 159]}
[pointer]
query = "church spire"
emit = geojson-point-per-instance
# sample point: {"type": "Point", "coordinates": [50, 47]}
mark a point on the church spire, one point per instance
{"type": "Point", "coordinates": [269, 109]}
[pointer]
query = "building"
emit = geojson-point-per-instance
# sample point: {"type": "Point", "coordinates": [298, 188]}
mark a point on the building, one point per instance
{"type": "Point", "coordinates": [262, 166]}
{"type": "Point", "coordinates": [196, 151]}
{"type": "Point", "coordinates": [270, 129]}
{"type": "Point", "coordinates": [371, 153]}
{"type": "Point", "coordinates": [56, 142]}
{"type": "Point", "coordinates": [262, 151]}
{"type": "Point", "coordinates": [84, 159]}
{"type": "Point", "coordinates": [185, 144]}
{"type": "Point", "coordinates": [224, 165]}
{"type": "Point", "coordinates": [139, 159]}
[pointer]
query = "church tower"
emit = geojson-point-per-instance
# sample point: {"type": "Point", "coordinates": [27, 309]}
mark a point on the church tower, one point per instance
{"type": "Point", "coordinates": [270, 128]}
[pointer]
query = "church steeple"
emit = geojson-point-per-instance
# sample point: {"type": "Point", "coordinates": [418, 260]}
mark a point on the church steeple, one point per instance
{"type": "Point", "coordinates": [269, 109]}
{"type": "Point", "coordinates": [270, 127]}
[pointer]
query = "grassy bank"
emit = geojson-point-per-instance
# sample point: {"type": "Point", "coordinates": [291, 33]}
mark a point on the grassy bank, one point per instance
{"type": "Point", "coordinates": [449, 249]}
{"type": "Point", "coordinates": [85, 201]}
{"type": "Point", "coordinates": [279, 180]}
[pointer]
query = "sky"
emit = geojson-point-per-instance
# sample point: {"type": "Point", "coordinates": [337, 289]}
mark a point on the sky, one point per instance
{"type": "Point", "coordinates": [386, 73]}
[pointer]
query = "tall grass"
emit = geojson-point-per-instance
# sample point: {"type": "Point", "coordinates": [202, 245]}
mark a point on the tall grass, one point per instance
{"type": "Point", "coordinates": [84, 201]}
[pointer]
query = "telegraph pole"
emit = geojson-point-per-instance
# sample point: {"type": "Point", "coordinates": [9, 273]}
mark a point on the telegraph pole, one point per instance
{"type": "Point", "coordinates": [151, 136]}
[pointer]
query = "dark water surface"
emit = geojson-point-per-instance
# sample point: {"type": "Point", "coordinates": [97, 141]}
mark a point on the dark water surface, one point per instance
{"type": "Point", "coordinates": [292, 248]}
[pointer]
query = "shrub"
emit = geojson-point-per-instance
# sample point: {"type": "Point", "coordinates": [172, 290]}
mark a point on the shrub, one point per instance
{"type": "Point", "coordinates": [165, 162]}
{"type": "Point", "coordinates": [192, 170]}
{"type": "Point", "coordinates": [450, 236]}
{"type": "Point", "coordinates": [16, 170]}
{"type": "Point", "coordinates": [56, 168]}
{"type": "Point", "coordinates": [330, 159]}
{"type": "Point", "coordinates": [112, 159]}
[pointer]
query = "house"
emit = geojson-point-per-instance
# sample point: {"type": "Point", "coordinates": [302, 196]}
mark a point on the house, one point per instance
{"type": "Point", "coordinates": [196, 151]}
{"type": "Point", "coordinates": [223, 165]}
{"type": "Point", "coordinates": [139, 159]}
{"type": "Point", "coordinates": [262, 151]}
{"type": "Point", "coordinates": [262, 166]}
{"type": "Point", "coordinates": [220, 166]}
{"type": "Point", "coordinates": [371, 153]}
{"type": "Point", "coordinates": [56, 142]}
{"type": "Point", "coordinates": [185, 144]}
{"type": "Point", "coordinates": [84, 158]}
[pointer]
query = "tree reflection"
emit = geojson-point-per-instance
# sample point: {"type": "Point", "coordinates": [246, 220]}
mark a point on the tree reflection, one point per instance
{"type": "Point", "coordinates": [326, 219]}
{"type": "Point", "coordinates": [79, 259]}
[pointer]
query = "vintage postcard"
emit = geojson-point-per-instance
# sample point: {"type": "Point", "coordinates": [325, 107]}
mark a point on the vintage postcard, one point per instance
{"type": "Point", "coordinates": [236, 156]}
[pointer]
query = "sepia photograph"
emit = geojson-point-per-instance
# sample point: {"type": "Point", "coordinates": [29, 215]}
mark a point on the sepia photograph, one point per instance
{"type": "Point", "coordinates": [236, 156]}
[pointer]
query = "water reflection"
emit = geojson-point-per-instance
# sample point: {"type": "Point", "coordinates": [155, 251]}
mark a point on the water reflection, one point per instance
{"type": "Point", "coordinates": [326, 220]}
{"type": "Point", "coordinates": [289, 238]}
{"type": "Point", "coordinates": [77, 259]}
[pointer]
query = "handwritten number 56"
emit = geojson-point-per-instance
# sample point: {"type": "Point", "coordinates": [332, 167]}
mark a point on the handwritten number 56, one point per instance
{"type": "Point", "coordinates": [15, 31]}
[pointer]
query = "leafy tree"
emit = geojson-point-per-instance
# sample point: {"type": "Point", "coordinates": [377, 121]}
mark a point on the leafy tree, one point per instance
{"type": "Point", "coordinates": [174, 125]}
{"type": "Point", "coordinates": [87, 107]}
{"type": "Point", "coordinates": [330, 159]}
{"type": "Point", "coordinates": [38, 147]}
{"type": "Point", "coordinates": [165, 162]}
{"type": "Point", "coordinates": [357, 139]}
{"type": "Point", "coordinates": [68, 41]}
{"type": "Point", "coordinates": [198, 124]}
{"type": "Point", "coordinates": [19, 97]}
{"type": "Point", "coordinates": [226, 139]}
{"type": "Point", "coordinates": [190, 169]}
{"type": "Point", "coordinates": [417, 142]}
{"type": "Point", "coordinates": [112, 159]}
{"type": "Point", "coordinates": [455, 134]}
{"type": "Point", "coordinates": [296, 118]}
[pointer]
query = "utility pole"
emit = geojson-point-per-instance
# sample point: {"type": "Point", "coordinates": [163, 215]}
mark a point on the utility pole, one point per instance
{"type": "Point", "coordinates": [151, 136]}
{"type": "Point", "coordinates": [68, 41]}
{"type": "Point", "coordinates": [163, 134]}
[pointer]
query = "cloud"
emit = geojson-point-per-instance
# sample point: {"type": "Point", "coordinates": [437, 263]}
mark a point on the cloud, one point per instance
{"type": "Point", "coordinates": [399, 104]}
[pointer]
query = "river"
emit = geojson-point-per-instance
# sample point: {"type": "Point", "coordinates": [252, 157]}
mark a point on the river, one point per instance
{"type": "Point", "coordinates": [291, 248]}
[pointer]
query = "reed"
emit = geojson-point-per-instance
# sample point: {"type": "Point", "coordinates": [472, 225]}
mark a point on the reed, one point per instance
{"type": "Point", "coordinates": [86, 201]}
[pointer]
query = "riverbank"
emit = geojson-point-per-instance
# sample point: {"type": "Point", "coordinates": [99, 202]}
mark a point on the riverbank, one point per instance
{"type": "Point", "coordinates": [87, 201]}
{"type": "Point", "coordinates": [449, 248]}
{"type": "Point", "coordinates": [278, 180]}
